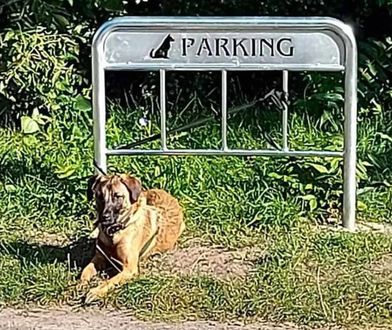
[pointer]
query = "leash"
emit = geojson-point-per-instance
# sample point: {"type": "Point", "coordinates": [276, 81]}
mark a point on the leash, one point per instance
{"type": "Point", "coordinates": [274, 95]}
{"type": "Point", "coordinates": [113, 261]}
{"type": "Point", "coordinates": [110, 259]}
{"type": "Point", "coordinates": [99, 168]}
{"type": "Point", "coordinates": [104, 173]}
{"type": "Point", "coordinates": [148, 243]}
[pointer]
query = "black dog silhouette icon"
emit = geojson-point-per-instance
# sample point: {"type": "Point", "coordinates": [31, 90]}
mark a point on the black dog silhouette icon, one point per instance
{"type": "Point", "coordinates": [163, 50]}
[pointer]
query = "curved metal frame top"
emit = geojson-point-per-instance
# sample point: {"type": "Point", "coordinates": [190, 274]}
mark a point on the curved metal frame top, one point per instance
{"type": "Point", "coordinates": [341, 33]}
{"type": "Point", "coordinates": [338, 32]}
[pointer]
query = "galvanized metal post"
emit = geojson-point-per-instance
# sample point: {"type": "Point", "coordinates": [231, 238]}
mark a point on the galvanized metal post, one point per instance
{"type": "Point", "coordinates": [162, 82]}
{"type": "Point", "coordinates": [285, 110]}
{"type": "Point", "coordinates": [350, 130]}
{"type": "Point", "coordinates": [224, 110]}
{"type": "Point", "coordinates": [99, 105]}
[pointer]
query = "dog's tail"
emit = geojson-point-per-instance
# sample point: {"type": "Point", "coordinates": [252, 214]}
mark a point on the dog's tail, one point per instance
{"type": "Point", "coordinates": [152, 55]}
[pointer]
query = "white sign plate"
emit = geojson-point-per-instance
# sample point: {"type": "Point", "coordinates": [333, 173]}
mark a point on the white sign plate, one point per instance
{"type": "Point", "coordinates": [236, 48]}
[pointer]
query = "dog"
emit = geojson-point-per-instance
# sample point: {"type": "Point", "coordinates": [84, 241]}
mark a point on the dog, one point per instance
{"type": "Point", "coordinates": [163, 50]}
{"type": "Point", "coordinates": [133, 224]}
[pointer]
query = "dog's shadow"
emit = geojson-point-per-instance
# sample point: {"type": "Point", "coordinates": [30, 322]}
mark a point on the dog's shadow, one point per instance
{"type": "Point", "coordinates": [76, 254]}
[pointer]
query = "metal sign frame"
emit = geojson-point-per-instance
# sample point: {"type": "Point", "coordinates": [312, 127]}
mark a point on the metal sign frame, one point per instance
{"type": "Point", "coordinates": [109, 49]}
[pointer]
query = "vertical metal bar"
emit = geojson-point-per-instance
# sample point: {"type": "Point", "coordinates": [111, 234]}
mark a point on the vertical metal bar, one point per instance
{"type": "Point", "coordinates": [99, 108]}
{"type": "Point", "coordinates": [350, 134]}
{"type": "Point", "coordinates": [224, 110]}
{"type": "Point", "coordinates": [285, 109]}
{"type": "Point", "coordinates": [162, 73]}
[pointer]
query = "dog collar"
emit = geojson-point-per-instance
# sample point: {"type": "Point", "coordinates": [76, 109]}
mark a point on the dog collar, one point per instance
{"type": "Point", "coordinates": [116, 227]}
{"type": "Point", "coordinates": [130, 219]}
{"type": "Point", "coordinates": [112, 229]}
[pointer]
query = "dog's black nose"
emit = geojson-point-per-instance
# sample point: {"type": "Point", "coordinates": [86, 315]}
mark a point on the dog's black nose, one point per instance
{"type": "Point", "coordinates": [106, 217]}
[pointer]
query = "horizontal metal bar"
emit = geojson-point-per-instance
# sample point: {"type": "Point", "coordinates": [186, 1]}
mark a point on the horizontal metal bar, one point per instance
{"type": "Point", "coordinates": [229, 152]}
{"type": "Point", "coordinates": [268, 24]}
{"type": "Point", "coordinates": [217, 66]}
{"type": "Point", "coordinates": [223, 22]}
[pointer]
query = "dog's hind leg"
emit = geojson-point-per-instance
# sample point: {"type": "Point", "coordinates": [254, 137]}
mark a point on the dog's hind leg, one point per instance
{"type": "Point", "coordinates": [97, 263]}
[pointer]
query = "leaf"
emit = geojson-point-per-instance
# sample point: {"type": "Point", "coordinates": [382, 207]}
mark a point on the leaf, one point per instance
{"type": "Point", "coordinates": [275, 175]}
{"type": "Point", "coordinates": [328, 97]}
{"type": "Point", "coordinates": [61, 20]}
{"type": "Point", "coordinates": [309, 186]}
{"type": "Point", "coordinates": [313, 204]}
{"type": "Point", "coordinates": [384, 136]}
{"type": "Point", "coordinates": [361, 171]}
{"type": "Point", "coordinates": [10, 188]}
{"type": "Point", "coordinates": [112, 5]}
{"type": "Point", "coordinates": [308, 197]}
{"type": "Point", "coordinates": [82, 103]}
{"type": "Point", "coordinates": [9, 35]}
{"type": "Point", "coordinates": [40, 119]}
{"type": "Point", "coordinates": [361, 206]}
{"type": "Point", "coordinates": [157, 171]}
{"type": "Point", "coordinates": [319, 168]}
{"type": "Point", "coordinates": [35, 113]}
{"type": "Point", "coordinates": [335, 163]}
{"type": "Point", "coordinates": [65, 172]}
{"type": "Point", "coordinates": [29, 125]}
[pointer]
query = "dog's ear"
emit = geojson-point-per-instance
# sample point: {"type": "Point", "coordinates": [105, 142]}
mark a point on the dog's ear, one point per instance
{"type": "Point", "coordinates": [91, 184]}
{"type": "Point", "coordinates": [133, 185]}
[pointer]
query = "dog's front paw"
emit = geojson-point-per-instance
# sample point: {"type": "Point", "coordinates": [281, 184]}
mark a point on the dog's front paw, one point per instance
{"type": "Point", "coordinates": [96, 294]}
{"type": "Point", "coordinates": [82, 285]}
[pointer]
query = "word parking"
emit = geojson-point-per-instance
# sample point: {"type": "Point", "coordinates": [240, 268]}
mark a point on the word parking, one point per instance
{"type": "Point", "coordinates": [235, 47]}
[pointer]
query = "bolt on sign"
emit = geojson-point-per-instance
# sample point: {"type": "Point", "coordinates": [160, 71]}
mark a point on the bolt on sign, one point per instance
{"type": "Point", "coordinates": [230, 44]}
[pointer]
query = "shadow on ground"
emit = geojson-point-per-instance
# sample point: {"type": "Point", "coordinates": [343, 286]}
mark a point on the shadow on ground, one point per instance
{"type": "Point", "coordinates": [213, 261]}
{"type": "Point", "coordinates": [77, 253]}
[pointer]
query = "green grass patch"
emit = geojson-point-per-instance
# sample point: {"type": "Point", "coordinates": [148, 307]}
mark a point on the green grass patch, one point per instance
{"type": "Point", "coordinates": [307, 274]}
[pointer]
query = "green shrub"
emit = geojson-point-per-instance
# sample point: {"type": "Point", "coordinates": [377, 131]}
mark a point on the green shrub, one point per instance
{"type": "Point", "coordinates": [38, 73]}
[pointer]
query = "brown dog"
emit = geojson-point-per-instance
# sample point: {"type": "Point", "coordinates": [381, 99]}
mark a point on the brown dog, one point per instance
{"type": "Point", "coordinates": [132, 225]}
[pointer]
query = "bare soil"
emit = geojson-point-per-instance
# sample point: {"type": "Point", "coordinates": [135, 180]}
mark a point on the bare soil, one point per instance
{"type": "Point", "coordinates": [212, 261]}
{"type": "Point", "coordinates": [13, 319]}
{"type": "Point", "coordinates": [383, 267]}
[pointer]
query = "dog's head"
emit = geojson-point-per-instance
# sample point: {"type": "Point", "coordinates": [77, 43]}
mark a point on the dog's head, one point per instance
{"type": "Point", "coordinates": [113, 195]}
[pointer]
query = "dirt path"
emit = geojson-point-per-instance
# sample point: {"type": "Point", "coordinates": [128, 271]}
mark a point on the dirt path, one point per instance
{"type": "Point", "coordinates": [12, 319]}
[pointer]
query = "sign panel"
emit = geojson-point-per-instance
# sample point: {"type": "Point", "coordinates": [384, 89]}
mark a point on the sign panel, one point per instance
{"type": "Point", "coordinates": [222, 49]}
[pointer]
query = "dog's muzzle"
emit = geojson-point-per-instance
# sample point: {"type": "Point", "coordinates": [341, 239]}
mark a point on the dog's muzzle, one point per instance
{"type": "Point", "coordinates": [109, 224]}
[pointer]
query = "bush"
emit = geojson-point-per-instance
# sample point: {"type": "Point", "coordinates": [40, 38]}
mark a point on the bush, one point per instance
{"type": "Point", "coordinates": [38, 73]}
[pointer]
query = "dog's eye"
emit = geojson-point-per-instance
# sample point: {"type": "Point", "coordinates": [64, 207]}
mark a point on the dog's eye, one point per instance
{"type": "Point", "coordinates": [118, 196]}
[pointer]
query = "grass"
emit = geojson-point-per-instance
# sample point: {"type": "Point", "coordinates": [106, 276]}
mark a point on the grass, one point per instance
{"type": "Point", "coordinates": [308, 275]}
